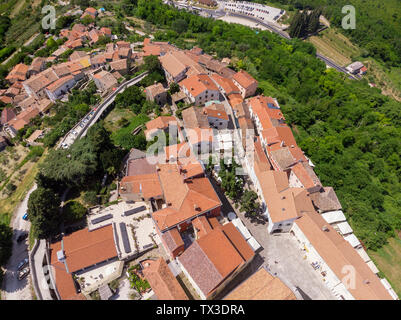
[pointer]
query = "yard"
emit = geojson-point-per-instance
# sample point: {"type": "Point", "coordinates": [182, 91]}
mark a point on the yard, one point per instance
{"type": "Point", "coordinates": [388, 260]}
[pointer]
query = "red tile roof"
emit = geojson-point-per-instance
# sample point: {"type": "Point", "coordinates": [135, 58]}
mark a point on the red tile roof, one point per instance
{"type": "Point", "coordinates": [162, 280]}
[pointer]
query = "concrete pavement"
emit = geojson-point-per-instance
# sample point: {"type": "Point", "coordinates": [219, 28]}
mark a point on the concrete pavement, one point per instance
{"type": "Point", "coordinates": [13, 289]}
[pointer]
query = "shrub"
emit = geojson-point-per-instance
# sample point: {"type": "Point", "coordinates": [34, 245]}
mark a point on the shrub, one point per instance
{"type": "Point", "coordinates": [74, 211]}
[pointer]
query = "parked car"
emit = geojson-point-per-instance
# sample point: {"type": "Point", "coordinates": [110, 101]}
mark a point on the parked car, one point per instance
{"type": "Point", "coordinates": [25, 216]}
{"type": "Point", "coordinates": [22, 237]}
{"type": "Point", "coordinates": [22, 264]}
{"type": "Point", "coordinates": [23, 273]}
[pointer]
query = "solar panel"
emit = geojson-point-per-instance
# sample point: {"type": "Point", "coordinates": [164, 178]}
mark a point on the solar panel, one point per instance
{"type": "Point", "coordinates": [124, 235]}
{"type": "Point", "coordinates": [135, 210]}
{"type": "Point", "coordinates": [103, 218]}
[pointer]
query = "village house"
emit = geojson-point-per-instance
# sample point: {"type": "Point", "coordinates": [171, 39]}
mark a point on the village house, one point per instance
{"type": "Point", "coordinates": [60, 87]}
{"type": "Point", "coordinates": [200, 89]}
{"type": "Point", "coordinates": [214, 259]}
{"type": "Point", "coordinates": [194, 117]}
{"type": "Point", "coordinates": [164, 123]}
{"type": "Point", "coordinates": [18, 73]}
{"type": "Point", "coordinates": [327, 248]}
{"type": "Point", "coordinates": [156, 93]}
{"type": "Point", "coordinates": [162, 281]}
{"type": "Point", "coordinates": [216, 116]}
{"type": "Point", "coordinates": [37, 65]}
{"type": "Point", "coordinates": [246, 83]}
{"type": "Point", "coordinates": [92, 12]}
{"type": "Point", "coordinates": [21, 120]}
{"type": "Point", "coordinates": [76, 252]}
{"type": "Point", "coordinates": [36, 85]}
{"type": "Point", "coordinates": [261, 286]}
{"type": "Point", "coordinates": [120, 66]}
{"type": "Point", "coordinates": [104, 80]}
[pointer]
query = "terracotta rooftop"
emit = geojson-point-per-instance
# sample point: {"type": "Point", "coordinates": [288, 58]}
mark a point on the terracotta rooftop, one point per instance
{"type": "Point", "coordinates": [244, 79]}
{"type": "Point", "coordinates": [306, 175]}
{"type": "Point", "coordinates": [227, 85]}
{"type": "Point", "coordinates": [212, 258]}
{"type": "Point", "coordinates": [326, 200]}
{"type": "Point", "coordinates": [194, 117]}
{"type": "Point", "coordinates": [82, 249]}
{"type": "Point", "coordinates": [59, 83]}
{"type": "Point", "coordinates": [197, 84]}
{"type": "Point", "coordinates": [7, 114]}
{"type": "Point", "coordinates": [172, 239]}
{"type": "Point", "coordinates": [186, 198]}
{"type": "Point", "coordinates": [261, 286]}
{"type": "Point", "coordinates": [18, 73]}
{"type": "Point", "coordinates": [339, 254]}
{"type": "Point", "coordinates": [155, 89]}
{"type": "Point", "coordinates": [145, 185]}
{"type": "Point", "coordinates": [162, 280]}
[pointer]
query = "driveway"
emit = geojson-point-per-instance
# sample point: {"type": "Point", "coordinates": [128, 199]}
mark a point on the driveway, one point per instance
{"type": "Point", "coordinates": [12, 288]}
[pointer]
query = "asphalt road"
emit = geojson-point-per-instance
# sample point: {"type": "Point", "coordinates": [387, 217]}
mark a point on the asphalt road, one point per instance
{"type": "Point", "coordinates": [218, 13]}
{"type": "Point", "coordinates": [13, 289]}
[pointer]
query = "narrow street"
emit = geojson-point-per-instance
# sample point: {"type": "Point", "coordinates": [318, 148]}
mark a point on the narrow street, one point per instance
{"type": "Point", "coordinates": [13, 289]}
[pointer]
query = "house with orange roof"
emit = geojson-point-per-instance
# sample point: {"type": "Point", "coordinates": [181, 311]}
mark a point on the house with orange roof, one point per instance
{"type": "Point", "coordinates": [343, 270]}
{"type": "Point", "coordinates": [157, 93]}
{"type": "Point", "coordinates": [142, 187]}
{"type": "Point", "coordinates": [22, 119]}
{"type": "Point", "coordinates": [187, 194]}
{"type": "Point", "coordinates": [261, 286]}
{"type": "Point", "coordinates": [216, 115]}
{"type": "Point", "coordinates": [174, 68]}
{"type": "Point", "coordinates": [246, 83]}
{"type": "Point", "coordinates": [303, 176]}
{"type": "Point", "coordinates": [36, 85]}
{"type": "Point", "coordinates": [214, 259]}
{"type": "Point", "coordinates": [60, 87]}
{"type": "Point", "coordinates": [162, 281]}
{"type": "Point", "coordinates": [265, 112]}
{"type": "Point", "coordinates": [164, 123]}
{"type": "Point", "coordinates": [225, 85]}
{"type": "Point", "coordinates": [172, 242]}
{"type": "Point", "coordinates": [7, 114]}
{"type": "Point", "coordinates": [37, 65]}
{"type": "Point", "coordinates": [18, 73]}
{"type": "Point", "coordinates": [104, 80]}
{"type": "Point", "coordinates": [77, 252]}
{"type": "Point", "coordinates": [121, 66]}
{"type": "Point", "coordinates": [202, 141]}
{"type": "Point", "coordinates": [91, 12]}
{"type": "Point", "coordinates": [200, 89]}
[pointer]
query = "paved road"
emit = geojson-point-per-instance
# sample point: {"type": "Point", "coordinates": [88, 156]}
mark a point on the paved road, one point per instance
{"type": "Point", "coordinates": [218, 13]}
{"type": "Point", "coordinates": [69, 138]}
{"type": "Point", "coordinates": [12, 288]}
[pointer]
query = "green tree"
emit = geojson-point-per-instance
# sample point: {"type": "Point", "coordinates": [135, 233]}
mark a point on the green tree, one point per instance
{"type": "Point", "coordinates": [43, 212]}
{"type": "Point", "coordinates": [6, 234]}
{"type": "Point", "coordinates": [249, 203]}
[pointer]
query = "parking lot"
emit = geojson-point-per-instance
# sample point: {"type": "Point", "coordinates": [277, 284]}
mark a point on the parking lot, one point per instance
{"type": "Point", "coordinates": [255, 10]}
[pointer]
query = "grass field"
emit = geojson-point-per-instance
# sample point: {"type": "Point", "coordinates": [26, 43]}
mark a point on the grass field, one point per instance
{"type": "Point", "coordinates": [7, 205]}
{"type": "Point", "coordinates": [110, 122]}
{"type": "Point", "coordinates": [335, 46]}
{"type": "Point", "coordinates": [388, 260]}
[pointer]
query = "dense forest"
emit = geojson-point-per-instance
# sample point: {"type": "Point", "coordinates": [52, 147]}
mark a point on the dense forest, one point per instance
{"type": "Point", "coordinates": [378, 24]}
{"type": "Point", "coordinates": [349, 130]}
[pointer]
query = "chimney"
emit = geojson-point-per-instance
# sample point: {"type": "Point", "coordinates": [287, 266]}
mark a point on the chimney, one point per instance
{"type": "Point", "coordinates": [366, 281]}
{"type": "Point", "coordinates": [324, 228]}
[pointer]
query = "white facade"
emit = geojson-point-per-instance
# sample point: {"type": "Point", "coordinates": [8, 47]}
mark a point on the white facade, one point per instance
{"type": "Point", "coordinates": [61, 90]}
{"type": "Point", "coordinates": [201, 98]}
